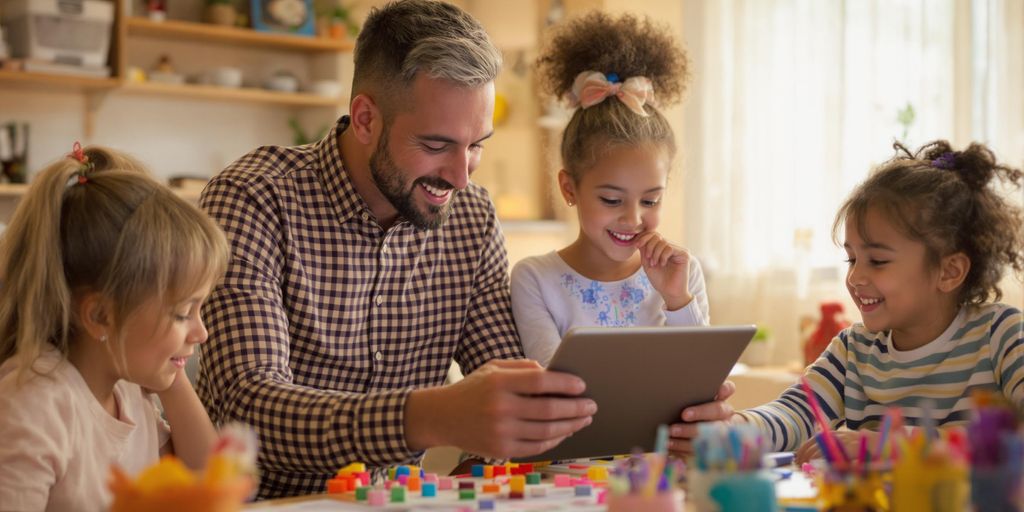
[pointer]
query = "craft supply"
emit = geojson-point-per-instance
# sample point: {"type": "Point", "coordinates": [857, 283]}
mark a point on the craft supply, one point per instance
{"type": "Point", "coordinates": [730, 472]}
{"type": "Point", "coordinates": [931, 472]}
{"type": "Point", "coordinates": [996, 454]}
{"type": "Point", "coordinates": [833, 447]}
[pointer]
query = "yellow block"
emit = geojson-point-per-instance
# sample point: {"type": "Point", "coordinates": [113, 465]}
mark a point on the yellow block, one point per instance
{"type": "Point", "coordinates": [517, 483]}
{"type": "Point", "coordinates": [355, 467]}
{"type": "Point", "coordinates": [597, 473]}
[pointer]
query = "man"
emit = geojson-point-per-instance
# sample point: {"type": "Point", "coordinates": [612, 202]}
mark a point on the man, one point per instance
{"type": "Point", "coordinates": [363, 264]}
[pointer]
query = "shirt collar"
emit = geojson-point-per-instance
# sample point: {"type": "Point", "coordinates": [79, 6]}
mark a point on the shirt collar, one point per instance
{"type": "Point", "coordinates": [347, 202]}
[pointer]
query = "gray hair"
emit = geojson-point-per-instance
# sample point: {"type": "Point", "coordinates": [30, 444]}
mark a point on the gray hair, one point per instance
{"type": "Point", "coordinates": [407, 37]}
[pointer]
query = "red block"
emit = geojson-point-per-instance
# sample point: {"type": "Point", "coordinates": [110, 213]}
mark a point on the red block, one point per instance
{"type": "Point", "coordinates": [337, 486]}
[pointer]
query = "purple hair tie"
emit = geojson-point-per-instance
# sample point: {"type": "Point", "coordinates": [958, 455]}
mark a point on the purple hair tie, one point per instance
{"type": "Point", "coordinates": [945, 161]}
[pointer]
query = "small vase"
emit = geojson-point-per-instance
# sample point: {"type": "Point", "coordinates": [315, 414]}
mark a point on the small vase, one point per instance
{"type": "Point", "coordinates": [221, 14]}
{"type": "Point", "coordinates": [338, 30]}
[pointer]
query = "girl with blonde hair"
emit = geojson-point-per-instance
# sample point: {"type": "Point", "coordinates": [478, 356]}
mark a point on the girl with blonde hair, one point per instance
{"type": "Point", "coordinates": [104, 271]}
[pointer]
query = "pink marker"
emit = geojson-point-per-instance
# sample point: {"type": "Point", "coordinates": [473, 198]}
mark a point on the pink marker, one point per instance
{"type": "Point", "coordinates": [835, 453]}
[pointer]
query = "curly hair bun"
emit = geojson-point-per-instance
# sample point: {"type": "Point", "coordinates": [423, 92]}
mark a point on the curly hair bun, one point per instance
{"type": "Point", "coordinates": [976, 165]}
{"type": "Point", "coordinates": [625, 45]}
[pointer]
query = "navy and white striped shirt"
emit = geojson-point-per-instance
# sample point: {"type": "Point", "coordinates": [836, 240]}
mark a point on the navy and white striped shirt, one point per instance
{"type": "Point", "coordinates": [860, 375]}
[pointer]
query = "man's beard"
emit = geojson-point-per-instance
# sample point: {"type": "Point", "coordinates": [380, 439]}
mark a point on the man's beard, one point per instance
{"type": "Point", "coordinates": [390, 180]}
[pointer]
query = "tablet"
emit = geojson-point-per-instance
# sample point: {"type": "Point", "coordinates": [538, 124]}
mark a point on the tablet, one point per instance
{"type": "Point", "coordinates": [641, 377]}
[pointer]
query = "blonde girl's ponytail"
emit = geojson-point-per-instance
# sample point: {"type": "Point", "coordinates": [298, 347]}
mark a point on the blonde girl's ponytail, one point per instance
{"type": "Point", "coordinates": [36, 303]}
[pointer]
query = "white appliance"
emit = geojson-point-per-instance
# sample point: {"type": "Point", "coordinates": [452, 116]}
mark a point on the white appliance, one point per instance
{"type": "Point", "coordinates": [69, 32]}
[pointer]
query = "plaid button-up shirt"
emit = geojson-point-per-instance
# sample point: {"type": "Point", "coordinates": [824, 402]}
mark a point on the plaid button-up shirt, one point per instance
{"type": "Point", "coordinates": [325, 321]}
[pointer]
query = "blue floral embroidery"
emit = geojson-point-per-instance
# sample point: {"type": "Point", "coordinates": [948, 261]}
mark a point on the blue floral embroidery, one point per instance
{"type": "Point", "coordinates": [612, 304]}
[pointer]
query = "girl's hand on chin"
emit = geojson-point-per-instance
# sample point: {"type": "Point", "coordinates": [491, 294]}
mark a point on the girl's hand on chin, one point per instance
{"type": "Point", "coordinates": [667, 267]}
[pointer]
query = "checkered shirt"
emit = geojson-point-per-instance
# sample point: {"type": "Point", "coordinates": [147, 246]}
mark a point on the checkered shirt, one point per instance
{"type": "Point", "coordinates": [325, 321]}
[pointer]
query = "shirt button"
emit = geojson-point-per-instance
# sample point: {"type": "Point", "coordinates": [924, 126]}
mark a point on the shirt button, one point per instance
{"type": "Point", "coordinates": [378, 355]}
{"type": "Point", "coordinates": [378, 300]}
{"type": "Point", "coordinates": [384, 248]}
{"type": "Point", "coordinates": [364, 216]}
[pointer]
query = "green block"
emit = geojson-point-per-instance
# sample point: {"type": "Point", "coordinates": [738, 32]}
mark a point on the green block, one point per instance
{"type": "Point", "coordinates": [397, 494]}
{"type": "Point", "coordinates": [533, 478]}
{"type": "Point", "coordinates": [467, 494]}
{"type": "Point", "coordinates": [361, 492]}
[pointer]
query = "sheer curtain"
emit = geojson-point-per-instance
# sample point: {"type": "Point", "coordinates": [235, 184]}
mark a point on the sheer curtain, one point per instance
{"type": "Point", "coordinates": [793, 102]}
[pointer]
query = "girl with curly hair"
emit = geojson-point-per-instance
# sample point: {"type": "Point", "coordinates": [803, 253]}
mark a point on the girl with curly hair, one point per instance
{"type": "Point", "coordinates": [616, 153]}
{"type": "Point", "coordinates": [928, 237]}
{"type": "Point", "coordinates": [619, 72]}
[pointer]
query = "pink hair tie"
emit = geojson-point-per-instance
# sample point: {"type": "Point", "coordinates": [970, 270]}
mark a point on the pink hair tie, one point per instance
{"type": "Point", "coordinates": [593, 87]}
{"type": "Point", "coordinates": [78, 154]}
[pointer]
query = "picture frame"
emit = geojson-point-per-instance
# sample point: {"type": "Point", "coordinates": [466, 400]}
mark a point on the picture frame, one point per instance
{"type": "Point", "coordinates": [283, 16]}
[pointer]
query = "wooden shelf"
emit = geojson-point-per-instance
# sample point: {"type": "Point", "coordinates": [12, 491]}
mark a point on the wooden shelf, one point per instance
{"type": "Point", "coordinates": [15, 190]}
{"type": "Point", "coordinates": [205, 32]}
{"type": "Point", "coordinates": [212, 92]}
{"type": "Point", "coordinates": [54, 81]}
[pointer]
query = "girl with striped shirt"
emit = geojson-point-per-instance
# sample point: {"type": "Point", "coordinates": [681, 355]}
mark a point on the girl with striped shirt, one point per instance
{"type": "Point", "coordinates": [928, 237]}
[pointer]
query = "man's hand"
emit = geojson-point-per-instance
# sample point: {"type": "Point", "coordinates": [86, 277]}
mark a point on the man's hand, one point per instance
{"type": "Point", "coordinates": [504, 409]}
{"type": "Point", "coordinates": [682, 434]}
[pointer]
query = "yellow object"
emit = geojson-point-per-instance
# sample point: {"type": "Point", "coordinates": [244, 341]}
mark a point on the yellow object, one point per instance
{"type": "Point", "coordinates": [597, 473]}
{"type": "Point", "coordinates": [517, 483]}
{"type": "Point", "coordinates": [933, 485]}
{"type": "Point", "coordinates": [927, 477]}
{"type": "Point", "coordinates": [219, 470]}
{"type": "Point", "coordinates": [500, 109]}
{"type": "Point", "coordinates": [170, 486]}
{"type": "Point", "coordinates": [355, 467]}
{"type": "Point", "coordinates": [136, 75]}
{"type": "Point", "coordinates": [166, 474]}
{"type": "Point", "coordinates": [854, 490]}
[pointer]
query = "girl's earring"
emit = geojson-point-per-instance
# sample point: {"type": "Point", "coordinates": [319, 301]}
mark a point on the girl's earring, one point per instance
{"type": "Point", "coordinates": [103, 339]}
{"type": "Point", "coordinates": [570, 203]}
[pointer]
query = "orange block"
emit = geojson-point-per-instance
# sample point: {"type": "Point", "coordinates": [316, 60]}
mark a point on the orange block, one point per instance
{"type": "Point", "coordinates": [337, 486]}
{"type": "Point", "coordinates": [491, 489]}
{"type": "Point", "coordinates": [414, 483]}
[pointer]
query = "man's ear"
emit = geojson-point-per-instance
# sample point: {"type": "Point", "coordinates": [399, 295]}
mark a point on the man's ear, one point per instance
{"type": "Point", "coordinates": [567, 187]}
{"type": "Point", "coordinates": [94, 315]}
{"type": "Point", "coordinates": [364, 118]}
{"type": "Point", "coordinates": [953, 270]}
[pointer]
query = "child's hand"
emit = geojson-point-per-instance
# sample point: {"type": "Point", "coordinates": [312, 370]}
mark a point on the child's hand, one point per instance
{"type": "Point", "coordinates": [682, 435]}
{"type": "Point", "coordinates": [850, 440]}
{"type": "Point", "coordinates": [668, 268]}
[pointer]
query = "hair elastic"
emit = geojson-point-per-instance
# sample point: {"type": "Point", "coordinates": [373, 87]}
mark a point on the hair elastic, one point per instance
{"type": "Point", "coordinates": [78, 154]}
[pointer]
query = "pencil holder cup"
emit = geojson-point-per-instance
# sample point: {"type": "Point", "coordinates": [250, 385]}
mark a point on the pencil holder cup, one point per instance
{"type": "Point", "coordinates": [671, 501]}
{"type": "Point", "coordinates": [732, 491]}
{"type": "Point", "coordinates": [866, 489]}
{"type": "Point", "coordinates": [937, 487]}
{"type": "Point", "coordinates": [994, 489]}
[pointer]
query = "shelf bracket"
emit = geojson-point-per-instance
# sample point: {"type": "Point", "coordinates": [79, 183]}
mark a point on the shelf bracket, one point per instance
{"type": "Point", "coordinates": [93, 101]}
